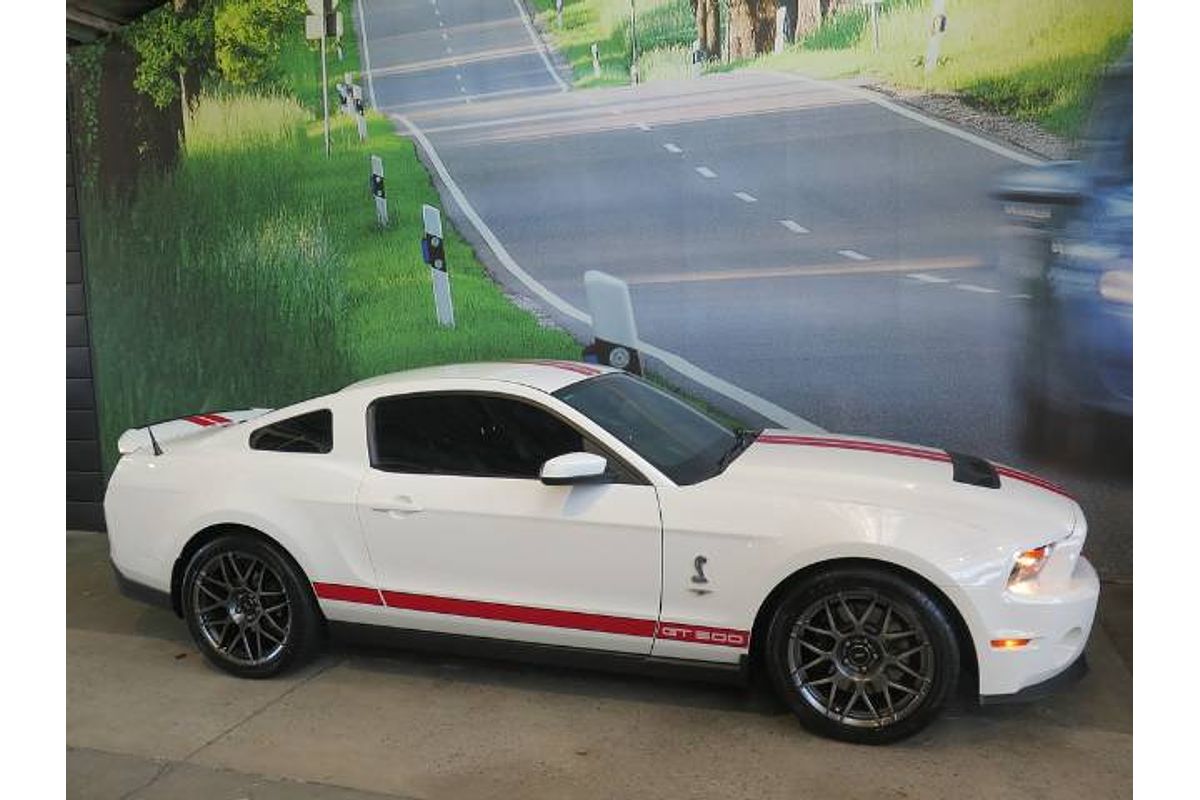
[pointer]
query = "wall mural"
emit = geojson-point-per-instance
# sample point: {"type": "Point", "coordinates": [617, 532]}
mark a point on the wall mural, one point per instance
{"type": "Point", "coordinates": [820, 212]}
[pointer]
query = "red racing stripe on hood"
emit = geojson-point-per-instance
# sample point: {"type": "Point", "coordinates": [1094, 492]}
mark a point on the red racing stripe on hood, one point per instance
{"type": "Point", "coordinates": [907, 451]}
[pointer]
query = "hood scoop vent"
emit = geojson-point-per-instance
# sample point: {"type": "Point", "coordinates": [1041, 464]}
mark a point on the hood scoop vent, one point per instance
{"type": "Point", "coordinates": [974, 471]}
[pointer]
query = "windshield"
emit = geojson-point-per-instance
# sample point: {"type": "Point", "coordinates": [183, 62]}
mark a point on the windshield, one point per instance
{"type": "Point", "coordinates": [684, 444]}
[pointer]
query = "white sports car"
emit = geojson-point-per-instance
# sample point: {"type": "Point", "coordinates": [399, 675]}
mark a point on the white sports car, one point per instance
{"type": "Point", "coordinates": [556, 508]}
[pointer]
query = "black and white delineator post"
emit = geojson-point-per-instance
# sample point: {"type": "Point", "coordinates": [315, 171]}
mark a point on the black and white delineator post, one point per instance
{"type": "Point", "coordinates": [433, 250]}
{"type": "Point", "coordinates": [614, 332]}
{"type": "Point", "coordinates": [360, 111]}
{"type": "Point", "coordinates": [378, 191]}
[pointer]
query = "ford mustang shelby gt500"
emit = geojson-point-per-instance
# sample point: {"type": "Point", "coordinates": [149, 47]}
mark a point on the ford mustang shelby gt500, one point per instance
{"type": "Point", "coordinates": [566, 508]}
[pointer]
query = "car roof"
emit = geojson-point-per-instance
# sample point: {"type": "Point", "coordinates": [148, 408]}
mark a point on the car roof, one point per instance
{"type": "Point", "coordinates": [547, 375]}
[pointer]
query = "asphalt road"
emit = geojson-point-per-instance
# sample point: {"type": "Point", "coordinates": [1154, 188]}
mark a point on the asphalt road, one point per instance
{"type": "Point", "coordinates": [828, 254]}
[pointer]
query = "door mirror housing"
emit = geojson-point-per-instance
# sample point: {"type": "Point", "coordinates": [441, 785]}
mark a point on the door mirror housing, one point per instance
{"type": "Point", "coordinates": [572, 468]}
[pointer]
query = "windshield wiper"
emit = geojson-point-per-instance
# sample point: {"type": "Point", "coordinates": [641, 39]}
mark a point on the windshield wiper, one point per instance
{"type": "Point", "coordinates": [743, 439]}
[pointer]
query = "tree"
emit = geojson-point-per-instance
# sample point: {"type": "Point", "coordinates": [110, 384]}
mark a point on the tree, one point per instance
{"type": "Point", "coordinates": [247, 34]}
{"type": "Point", "coordinates": [751, 27]}
{"type": "Point", "coordinates": [174, 45]}
{"type": "Point", "coordinates": [708, 26]}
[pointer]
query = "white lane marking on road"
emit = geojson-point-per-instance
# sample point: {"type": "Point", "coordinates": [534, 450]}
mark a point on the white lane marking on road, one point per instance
{"type": "Point", "coordinates": [853, 255]}
{"type": "Point", "coordinates": [970, 287]}
{"type": "Point", "coordinates": [745, 198]}
{"type": "Point", "coordinates": [793, 226]}
{"type": "Point", "coordinates": [923, 278]}
{"type": "Point", "coordinates": [366, 51]}
{"type": "Point", "coordinates": [807, 271]}
{"type": "Point", "coordinates": [541, 46]}
{"type": "Point", "coordinates": [643, 126]}
{"type": "Point", "coordinates": [445, 36]}
{"type": "Point", "coordinates": [758, 405]}
{"type": "Point", "coordinates": [672, 148]}
{"type": "Point", "coordinates": [1020, 297]}
{"type": "Point", "coordinates": [938, 125]}
{"type": "Point", "coordinates": [458, 76]}
{"type": "Point", "coordinates": [441, 24]}
{"type": "Point", "coordinates": [449, 49]}
{"type": "Point", "coordinates": [705, 172]}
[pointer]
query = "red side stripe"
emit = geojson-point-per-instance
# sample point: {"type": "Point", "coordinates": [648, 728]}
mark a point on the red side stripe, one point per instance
{"type": "Point", "coordinates": [218, 419]}
{"type": "Point", "coordinates": [549, 617]}
{"type": "Point", "coordinates": [202, 421]}
{"type": "Point", "coordinates": [348, 594]}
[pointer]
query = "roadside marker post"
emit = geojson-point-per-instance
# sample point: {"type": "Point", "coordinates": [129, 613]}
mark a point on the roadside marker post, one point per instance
{"type": "Point", "coordinates": [937, 31]}
{"type": "Point", "coordinates": [433, 251]}
{"type": "Point", "coordinates": [378, 191]}
{"type": "Point", "coordinates": [697, 59]}
{"type": "Point", "coordinates": [595, 59]}
{"type": "Point", "coordinates": [558, 4]}
{"type": "Point", "coordinates": [360, 113]}
{"type": "Point", "coordinates": [635, 79]}
{"type": "Point", "coordinates": [614, 331]}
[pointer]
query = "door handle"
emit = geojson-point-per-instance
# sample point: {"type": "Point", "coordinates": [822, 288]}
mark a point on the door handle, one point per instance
{"type": "Point", "coordinates": [398, 506]}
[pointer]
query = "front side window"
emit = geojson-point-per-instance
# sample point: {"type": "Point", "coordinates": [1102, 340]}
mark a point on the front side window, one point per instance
{"type": "Point", "coordinates": [306, 433]}
{"type": "Point", "coordinates": [684, 444]}
{"type": "Point", "coordinates": [467, 434]}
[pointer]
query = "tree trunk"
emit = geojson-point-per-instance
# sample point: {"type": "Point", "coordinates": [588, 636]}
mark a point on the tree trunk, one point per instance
{"type": "Point", "coordinates": [742, 23]}
{"type": "Point", "coordinates": [708, 27]}
{"type": "Point", "coordinates": [808, 17]}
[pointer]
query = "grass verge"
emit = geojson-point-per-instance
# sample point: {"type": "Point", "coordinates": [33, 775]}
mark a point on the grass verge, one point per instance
{"type": "Point", "coordinates": [665, 32]}
{"type": "Point", "coordinates": [255, 274]}
{"type": "Point", "coordinates": [1037, 63]}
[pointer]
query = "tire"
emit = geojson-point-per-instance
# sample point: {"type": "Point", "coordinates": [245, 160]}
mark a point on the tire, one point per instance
{"type": "Point", "coordinates": [249, 608]}
{"type": "Point", "coordinates": [884, 667]}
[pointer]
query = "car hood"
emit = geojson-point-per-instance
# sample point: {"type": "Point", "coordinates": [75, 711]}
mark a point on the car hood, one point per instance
{"type": "Point", "coordinates": [891, 474]}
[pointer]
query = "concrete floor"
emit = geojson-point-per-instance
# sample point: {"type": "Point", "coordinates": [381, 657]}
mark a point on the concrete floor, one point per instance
{"type": "Point", "coordinates": [148, 718]}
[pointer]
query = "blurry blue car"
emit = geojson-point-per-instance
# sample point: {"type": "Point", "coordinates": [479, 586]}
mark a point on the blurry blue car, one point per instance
{"type": "Point", "coordinates": [1077, 359]}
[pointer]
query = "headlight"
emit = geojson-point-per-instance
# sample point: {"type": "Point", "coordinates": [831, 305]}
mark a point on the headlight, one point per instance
{"type": "Point", "coordinates": [1116, 286]}
{"type": "Point", "coordinates": [1028, 564]}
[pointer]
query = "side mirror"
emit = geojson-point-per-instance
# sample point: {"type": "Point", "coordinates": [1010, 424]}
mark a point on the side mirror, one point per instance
{"type": "Point", "coordinates": [572, 468]}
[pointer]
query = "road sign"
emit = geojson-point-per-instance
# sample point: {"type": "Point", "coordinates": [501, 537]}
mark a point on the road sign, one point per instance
{"type": "Point", "coordinates": [614, 331]}
{"type": "Point", "coordinates": [433, 250]}
{"type": "Point", "coordinates": [379, 191]}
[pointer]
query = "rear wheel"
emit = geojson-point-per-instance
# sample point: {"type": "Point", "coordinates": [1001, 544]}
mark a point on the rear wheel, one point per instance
{"type": "Point", "coordinates": [248, 607]}
{"type": "Point", "coordinates": [862, 655]}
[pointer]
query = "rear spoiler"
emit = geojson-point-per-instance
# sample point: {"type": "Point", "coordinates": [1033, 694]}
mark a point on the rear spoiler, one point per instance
{"type": "Point", "coordinates": [153, 435]}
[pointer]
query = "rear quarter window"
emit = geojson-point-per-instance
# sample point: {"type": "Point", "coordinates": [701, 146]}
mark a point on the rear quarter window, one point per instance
{"type": "Point", "coordinates": [306, 433]}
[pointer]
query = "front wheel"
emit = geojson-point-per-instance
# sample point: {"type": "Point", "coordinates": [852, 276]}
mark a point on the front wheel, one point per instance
{"type": "Point", "coordinates": [862, 655]}
{"type": "Point", "coordinates": [248, 607]}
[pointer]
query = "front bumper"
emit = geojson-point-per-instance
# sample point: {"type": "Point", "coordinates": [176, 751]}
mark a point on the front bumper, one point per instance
{"type": "Point", "coordinates": [1058, 622]}
{"type": "Point", "coordinates": [1073, 673]}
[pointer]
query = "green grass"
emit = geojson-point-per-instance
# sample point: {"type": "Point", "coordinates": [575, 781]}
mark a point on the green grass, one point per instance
{"type": "Point", "coordinates": [665, 32]}
{"type": "Point", "coordinates": [1037, 63]}
{"type": "Point", "coordinates": [255, 274]}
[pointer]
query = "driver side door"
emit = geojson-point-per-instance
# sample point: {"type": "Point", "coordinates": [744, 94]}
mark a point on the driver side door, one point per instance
{"type": "Point", "coordinates": [466, 539]}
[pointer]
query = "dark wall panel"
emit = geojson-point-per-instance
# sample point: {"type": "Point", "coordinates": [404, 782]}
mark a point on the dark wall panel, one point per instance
{"type": "Point", "coordinates": [85, 477]}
